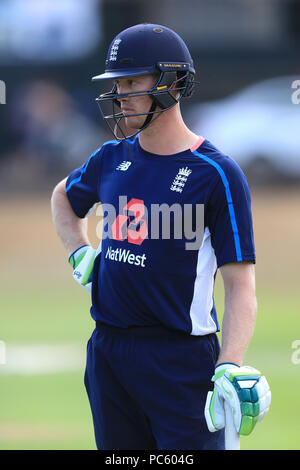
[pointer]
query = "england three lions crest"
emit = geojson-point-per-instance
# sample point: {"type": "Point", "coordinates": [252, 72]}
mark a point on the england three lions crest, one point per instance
{"type": "Point", "coordinates": [180, 179]}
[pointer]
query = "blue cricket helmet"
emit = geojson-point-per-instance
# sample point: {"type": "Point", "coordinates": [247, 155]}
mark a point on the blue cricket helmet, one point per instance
{"type": "Point", "coordinates": [147, 49]}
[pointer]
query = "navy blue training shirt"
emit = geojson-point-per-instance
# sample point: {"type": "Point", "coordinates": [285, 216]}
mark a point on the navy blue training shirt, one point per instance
{"type": "Point", "coordinates": [144, 274]}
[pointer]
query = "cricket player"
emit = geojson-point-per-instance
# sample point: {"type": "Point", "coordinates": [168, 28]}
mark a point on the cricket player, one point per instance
{"type": "Point", "coordinates": [156, 377]}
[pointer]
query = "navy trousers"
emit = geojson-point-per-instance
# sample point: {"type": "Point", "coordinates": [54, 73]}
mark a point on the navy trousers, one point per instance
{"type": "Point", "coordinates": [147, 388]}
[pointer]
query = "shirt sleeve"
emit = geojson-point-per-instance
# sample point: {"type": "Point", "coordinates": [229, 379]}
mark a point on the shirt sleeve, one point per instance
{"type": "Point", "coordinates": [229, 216]}
{"type": "Point", "coordinates": [83, 183]}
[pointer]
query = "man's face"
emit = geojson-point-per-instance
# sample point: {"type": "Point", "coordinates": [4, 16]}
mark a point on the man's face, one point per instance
{"type": "Point", "coordinates": [137, 104]}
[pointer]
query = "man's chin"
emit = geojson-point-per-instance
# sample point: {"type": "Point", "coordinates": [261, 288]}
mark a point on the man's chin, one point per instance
{"type": "Point", "coordinates": [132, 124]}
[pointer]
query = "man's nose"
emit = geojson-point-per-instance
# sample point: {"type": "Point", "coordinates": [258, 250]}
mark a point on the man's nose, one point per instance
{"type": "Point", "coordinates": [122, 90]}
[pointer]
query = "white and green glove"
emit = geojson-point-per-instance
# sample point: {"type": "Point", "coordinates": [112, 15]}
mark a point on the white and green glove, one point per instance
{"type": "Point", "coordinates": [247, 392]}
{"type": "Point", "coordinates": [82, 262]}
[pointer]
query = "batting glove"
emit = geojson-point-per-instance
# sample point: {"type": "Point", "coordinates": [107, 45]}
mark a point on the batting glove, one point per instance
{"type": "Point", "coordinates": [82, 262]}
{"type": "Point", "coordinates": [245, 389]}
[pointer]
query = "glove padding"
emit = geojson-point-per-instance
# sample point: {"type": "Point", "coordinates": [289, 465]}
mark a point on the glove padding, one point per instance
{"type": "Point", "coordinates": [245, 389]}
{"type": "Point", "coordinates": [82, 262]}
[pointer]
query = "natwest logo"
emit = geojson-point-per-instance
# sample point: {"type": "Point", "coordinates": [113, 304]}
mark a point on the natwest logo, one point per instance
{"type": "Point", "coordinates": [125, 256]}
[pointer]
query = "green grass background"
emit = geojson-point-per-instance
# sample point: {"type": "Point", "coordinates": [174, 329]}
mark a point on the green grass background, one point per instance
{"type": "Point", "coordinates": [40, 303]}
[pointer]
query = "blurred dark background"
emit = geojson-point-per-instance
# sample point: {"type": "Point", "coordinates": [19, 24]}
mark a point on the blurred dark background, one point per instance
{"type": "Point", "coordinates": [49, 50]}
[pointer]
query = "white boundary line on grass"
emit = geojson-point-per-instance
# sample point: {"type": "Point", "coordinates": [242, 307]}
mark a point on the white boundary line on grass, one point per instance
{"type": "Point", "coordinates": [43, 359]}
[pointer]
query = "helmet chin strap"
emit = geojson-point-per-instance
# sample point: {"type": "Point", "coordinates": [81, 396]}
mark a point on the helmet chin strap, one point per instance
{"type": "Point", "coordinates": [150, 116]}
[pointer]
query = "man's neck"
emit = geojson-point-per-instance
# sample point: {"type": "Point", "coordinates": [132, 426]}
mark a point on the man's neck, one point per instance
{"type": "Point", "coordinates": [167, 135]}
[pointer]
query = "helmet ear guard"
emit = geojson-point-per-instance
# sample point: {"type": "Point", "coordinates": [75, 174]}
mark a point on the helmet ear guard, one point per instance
{"type": "Point", "coordinates": [188, 83]}
{"type": "Point", "coordinates": [164, 99]}
{"type": "Point", "coordinates": [184, 84]}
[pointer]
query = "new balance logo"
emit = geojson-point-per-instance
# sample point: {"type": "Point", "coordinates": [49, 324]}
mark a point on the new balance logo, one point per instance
{"type": "Point", "coordinates": [180, 179]}
{"type": "Point", "coordinates": [123, 166]}
{"type": "Point", "coordinates": [125, 256]}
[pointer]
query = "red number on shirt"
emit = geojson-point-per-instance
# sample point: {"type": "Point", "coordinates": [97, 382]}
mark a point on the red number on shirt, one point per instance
{"type": "Point", "coordinates": [130, 224]}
